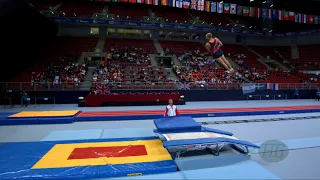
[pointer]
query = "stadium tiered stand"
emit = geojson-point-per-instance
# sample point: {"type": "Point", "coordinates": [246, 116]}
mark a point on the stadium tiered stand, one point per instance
{"type": "Point", "coordinates": [65, 51]}
{"type": "Point", "coordinates": [309, 57]}
{"type": "Point", "coordinates": [180, 48]}
{"type": "Point", "coordinates": [210, 18]}
{"type": "Point", "coordinates": [45, 5]}
{"type": "Point", "coordinates": [251, 58]}
{"type": "Point", "coordinates": [81, 9]}
{"type": "Point", "coordinates": [124, 12]}
{"type": "Point", "coordinates": [266, 51]}
{"type": "Point", "coordinates": [121, 44]}
{"type": "Point", "coordinates": [172, 15]}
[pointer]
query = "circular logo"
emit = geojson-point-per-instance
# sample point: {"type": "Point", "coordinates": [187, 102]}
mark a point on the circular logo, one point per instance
{"type": "Point", "coordinates": [273, 151]}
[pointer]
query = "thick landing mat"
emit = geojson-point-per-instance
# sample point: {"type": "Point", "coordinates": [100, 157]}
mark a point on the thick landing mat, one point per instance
{"type": "Point", "coordinates": [219, 112]}
{"type": "Point", "coordinates": [84, 159]}
{"type": "Point", "coordinates": [47, 114]}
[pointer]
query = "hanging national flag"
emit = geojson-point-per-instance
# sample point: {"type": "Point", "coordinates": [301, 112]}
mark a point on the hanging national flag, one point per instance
{"type": "Point", "coordinates": [291, 16]}
{"type": "Point", "coordinates": [296, 17]}
{"type": "Point", "coordinates": [148, 1]}
{"type": "Point", "coordinates": [155, 2]}
{"type": "Point", "coordinates": [226, 8]}
{"type": "Point", "coordinates": [286, 15]}
{"type": "Point", "coordinates": [186, 4]}
{"type": "Point", "coordinates": [207, 6]}
{"type": "Point", "coordinates": [280, 14]}
{"type": "Point", "coordinates": [193, 4]}
{"type": "Point", "coordinates": [258, 12]}
{"type": "Point", "coordinates": [220, 8]}
{"type": "Point", "coordinates": [164, 2]}
{"type": "Point", "coordinates": [275, 14]}
{"type": "Point", "coordinates": [233, 8]}
{"type": "Point", "coordinates": [264, 13]}
{"type": "Point", "coordinates": [140, 1]}
{"type": "Point", "coordinates": [245, 11]}
{"type": "Point", "coordinates": [304, 18]}
{"type": "Point", "coordinates": [132, 1]}
{"type": "Point", "coordinates": [239, 10]}
{"type": "Point", "coordinates": [201, 5]}
{"type": "Point", "coordinates": [310, 19]}
{"type": "Point", "coordinates": [252, 12]}
{"type": "Point", "coordinates": [316, 19]}
{"type": "Point", "coordinates": [123, 0]}
{"type": "Point", "coordinates": [177, 3]}
{"type": "Point", "coordinates": [213, 7]}
{"type": "Point", "coordinates": [270, 13]}
{"type": "Point", "coordinates": [115, 0]}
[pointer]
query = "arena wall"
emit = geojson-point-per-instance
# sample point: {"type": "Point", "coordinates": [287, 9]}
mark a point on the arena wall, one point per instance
{"type": "Point", "coordinates": [71, 97]}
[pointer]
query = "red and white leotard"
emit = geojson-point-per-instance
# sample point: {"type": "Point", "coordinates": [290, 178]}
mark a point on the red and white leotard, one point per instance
{"type": "Point", "coordinates": [171, 111]}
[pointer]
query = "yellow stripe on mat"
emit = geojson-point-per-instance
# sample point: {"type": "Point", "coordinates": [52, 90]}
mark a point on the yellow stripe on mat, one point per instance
{"type": "Point", "coordinates": [44, 114]}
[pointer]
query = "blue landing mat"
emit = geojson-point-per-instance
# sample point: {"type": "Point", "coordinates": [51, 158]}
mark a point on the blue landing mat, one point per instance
{"type": "Point", "coordinates": [17, 159]}
{"type": "Point", "coordinates": [29, 121]}
{"type": "Point", "coordinates": [226, 166]}
{"type": "Point", "coordinates": [73, 135]}
{"type": "Point", "coordinates": [128, 132]}
{"type": "Point", "coordinates": [183, 123]}
{"type": "Point", "coordinates": [99, 134]}
{"type": "Point", "coordinates": [176, 175]}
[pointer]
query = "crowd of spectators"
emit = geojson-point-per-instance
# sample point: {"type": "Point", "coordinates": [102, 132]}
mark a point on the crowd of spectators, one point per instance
{"type": "Point", "coordinates": [62, 73]}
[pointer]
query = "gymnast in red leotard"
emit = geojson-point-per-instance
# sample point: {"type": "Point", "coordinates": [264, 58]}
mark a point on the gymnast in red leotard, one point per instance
{"type": "Point", "coordinates": [214, 47]}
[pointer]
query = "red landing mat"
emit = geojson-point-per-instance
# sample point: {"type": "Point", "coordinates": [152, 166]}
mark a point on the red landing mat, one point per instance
{"type": "Point", "coordinates": [196, 111]}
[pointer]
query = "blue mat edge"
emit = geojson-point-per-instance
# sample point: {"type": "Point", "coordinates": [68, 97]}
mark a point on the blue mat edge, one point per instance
{"type": "Point", "coordinates": [158, 167]}
{"type": "Point", "coordinates": [4, 121]}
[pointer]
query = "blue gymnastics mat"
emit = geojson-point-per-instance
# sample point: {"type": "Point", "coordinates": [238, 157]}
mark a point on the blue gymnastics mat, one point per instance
{"type": "Point", "coordinates": [226, 166]}
{"type": "Point", "coordinates": [183, 123]}
{"type": "Point", "coordinates": [175, 175]}
{"type": "Point", "coordinates": [18, 161]}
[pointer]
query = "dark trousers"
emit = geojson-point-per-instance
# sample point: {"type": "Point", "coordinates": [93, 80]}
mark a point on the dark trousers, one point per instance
{"type": "Point", "coordinates": [295, 96]}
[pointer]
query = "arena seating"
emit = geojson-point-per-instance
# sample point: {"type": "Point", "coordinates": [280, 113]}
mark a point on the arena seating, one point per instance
{"type": "Point", "coordinates": [172, 15]}
{"type": "Point", "coordinates": [64, 52]}
{"type": "Point", "coordinates": [251, 58]}
{"type": "Point", "coordinates": [180, 48]}
{"type": "Point", "coordinates": [133, 12]}
{"type": "Point", "coordinates": [81, 9]}
{"type": "Point", "coordinates": [44, 5]}
{"type": "Point", "coordinates": [281, 77]}
{"type": "Point", "coordinates": [120, 44]}
{"type": "Point", "coordinates": [210, 18]}
{"type": "Point", "coordinates": [309, 57]}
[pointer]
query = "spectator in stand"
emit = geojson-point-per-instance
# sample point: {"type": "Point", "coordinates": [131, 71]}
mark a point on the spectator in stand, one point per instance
{"type": "Point", "coordinates": [296, 94]}
{"type": "Point", "coordinates": [171, 110]}
{"type": "Point", "coordinates": [318, 95]}
{"type": "Point", "coordinates": [24, 99]}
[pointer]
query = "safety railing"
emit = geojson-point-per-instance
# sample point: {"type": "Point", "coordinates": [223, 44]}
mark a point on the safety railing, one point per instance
{"type": "Point", "coordinates": [27, 86]}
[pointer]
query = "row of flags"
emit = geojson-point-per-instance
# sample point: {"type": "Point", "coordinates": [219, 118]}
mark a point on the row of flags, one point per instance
{"type": "Point", "coordinates": [230, 8]}
{"type": "Point", "coordinates": [248, 88]}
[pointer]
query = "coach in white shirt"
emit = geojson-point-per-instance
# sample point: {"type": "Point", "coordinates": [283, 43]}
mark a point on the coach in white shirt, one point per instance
{"type": "Point", "coordinates": [171, 110]}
